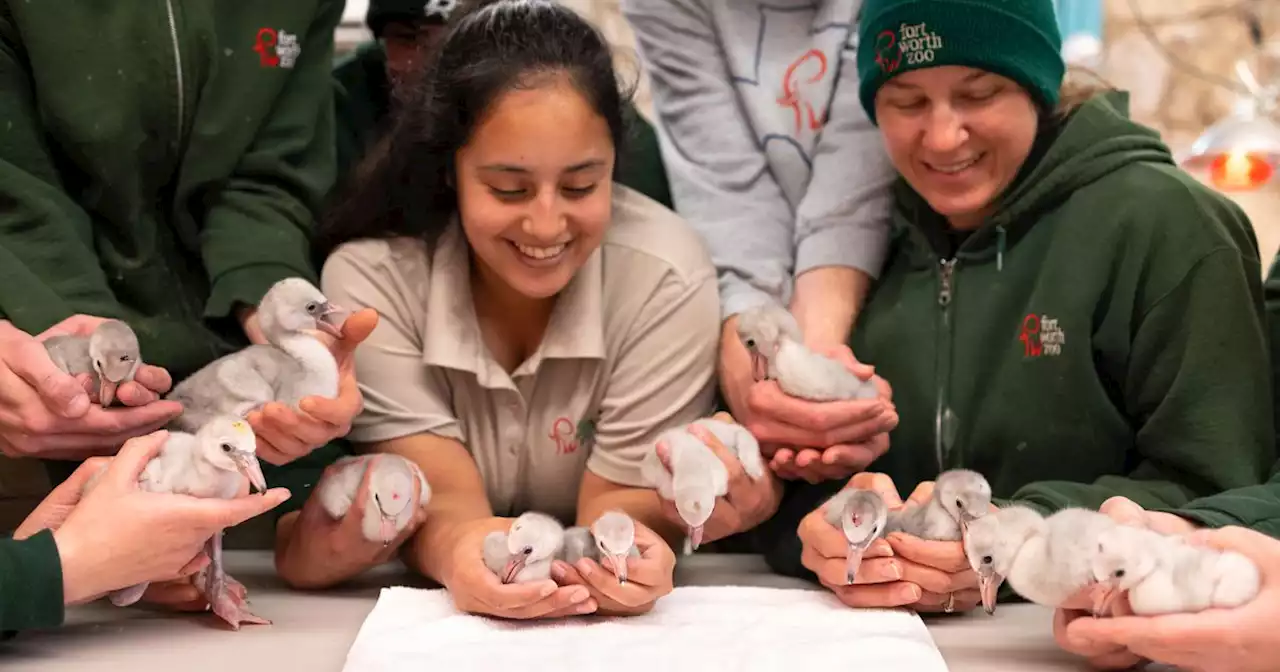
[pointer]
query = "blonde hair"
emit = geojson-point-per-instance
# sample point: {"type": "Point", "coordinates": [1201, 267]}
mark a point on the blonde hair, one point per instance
{"type": "Point", "coordinates": [1079, 87]}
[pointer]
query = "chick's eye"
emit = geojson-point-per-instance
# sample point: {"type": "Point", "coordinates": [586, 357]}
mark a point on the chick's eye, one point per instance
{"type": "Point", "coordinates": [1119, 573]}
{"type": "Point", "coordinates": [959, 504]}
{"type": "Point", "coordinates": [751, 342]}
{"type": "Point", "coordinates": [527, 550]}
{"type": "Point", "coordinates": [986, 560]}
{"type": "Point", "coordinates": [226, 447]}
{"type": "Point", "coordinates": [125, 358]}
{"type": "Point", "coordinates": [313, 307]}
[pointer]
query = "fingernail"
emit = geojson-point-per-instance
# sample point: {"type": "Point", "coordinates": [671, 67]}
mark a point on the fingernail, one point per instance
{"type": "Point", "coordinates": [548, 589]}
{"type": "Point", "coordinates": [557, 571]}
{"type": "Point", "coordinates": [587, 607]}
{"type": "Point", "coordinates": [578, 594]}
{"type": "Point", "coordinates": [584, 568]}
{"type": "Point", "coordinates": [913, 593]}
{"type": "Point", "coordinates": [895, 570]}
{"type": "Point", "coordinates": [698, 431]}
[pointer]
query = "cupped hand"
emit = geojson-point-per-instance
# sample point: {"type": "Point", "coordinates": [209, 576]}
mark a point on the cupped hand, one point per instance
{"type": "Point", "coordinates": [746, 504]}
{"type": "Point", "coordinates": [1215, 640]}
{"type": "Point", "coordinates": [1128, 512]}
{"type": "Point", "coordinates": [475, 589]}
{"type": "Point", "coordinates": [46, 413]}
{"type": "Point", "coordinates": [878, 582]}
{"type": "Point", "coordinates": [649, 577]}
{"type": "Point", "coordinates": [286, 434]}
{"type": "Point", "coordinates": [149, 382]}
{"type": "Point", "coordinates": [118, 535]}
{"type": "Point", "coordinates": [322, 552]}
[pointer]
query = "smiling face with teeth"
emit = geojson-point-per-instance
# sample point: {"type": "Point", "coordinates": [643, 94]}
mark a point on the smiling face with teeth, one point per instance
{"type": "Point", "coordinates": [534, 184]}
{"type": "Point", "coordinates": [958, 135]}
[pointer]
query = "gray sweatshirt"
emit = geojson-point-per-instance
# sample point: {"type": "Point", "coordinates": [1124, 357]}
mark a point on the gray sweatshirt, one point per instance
{"type": "Point", "coordinates": [769, 153]}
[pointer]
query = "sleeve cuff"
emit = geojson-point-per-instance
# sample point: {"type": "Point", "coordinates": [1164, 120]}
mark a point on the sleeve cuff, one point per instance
{"type": "Point", "coordinates": [616, 471]}
{"type": "Point", "coordinates": [1210, 518]}
{"type": "Point", "coordinates": [247, 285]}
{"type": "Point", "coordinates": [32, 593]}
{"type": "Point", "coordinates": [861, 245]}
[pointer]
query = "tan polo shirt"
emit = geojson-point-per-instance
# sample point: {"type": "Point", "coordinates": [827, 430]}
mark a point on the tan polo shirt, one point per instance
{"type": "Point", "coordinates": [630, 351]}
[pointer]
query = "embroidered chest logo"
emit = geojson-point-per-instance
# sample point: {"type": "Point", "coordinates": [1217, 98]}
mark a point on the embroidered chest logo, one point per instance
{"type": "Point", "coordinates": [912, 41]}
{"type": "Point", "coordinates": [805, 71]}
{"type": "Point", "coordinates": [1041, 335]}
{"type": "Point", "coordinates": [440, 8]}
{"type": "Point", "coordinates": [569, 437]}
{"type": "Point", "coordinates": [277, 48]}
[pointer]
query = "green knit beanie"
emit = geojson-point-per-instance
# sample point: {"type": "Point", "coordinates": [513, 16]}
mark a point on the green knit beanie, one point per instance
{"type": "Point", "coordinates": [382, 12]}
{"type": "Point", "coordinates": [1018, 39]}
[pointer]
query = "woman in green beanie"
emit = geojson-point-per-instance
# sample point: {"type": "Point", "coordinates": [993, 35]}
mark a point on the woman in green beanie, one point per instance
{"type": "Point", "coordinates": [1062, 309]}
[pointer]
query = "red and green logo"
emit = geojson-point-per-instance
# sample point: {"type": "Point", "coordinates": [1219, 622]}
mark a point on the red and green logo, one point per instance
{"type": "Point", "coordinates": [888, 55]}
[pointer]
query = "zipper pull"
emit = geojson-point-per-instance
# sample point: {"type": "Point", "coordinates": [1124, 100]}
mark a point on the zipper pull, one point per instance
{"type": "Point", "coordinates": [1000, 234]}
{"type": "Point", "coordinates": [944, 292]}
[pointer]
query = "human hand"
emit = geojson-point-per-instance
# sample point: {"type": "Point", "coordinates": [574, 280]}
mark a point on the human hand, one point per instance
{"type": "Point", "coordinates": [285, 434]}
{"type": "Point", "coordinates": [61, 501]}
{"type": "Point", "coordinates": [1127, 512]}
{"type": "Point", "coordinates": [825, 550]}
{"type": "Point", "coordinates": [1215, 640]}
{"type": "Point", "coordinates": [747, 503]}
{"type": "Point", "coordinates": [649, 577]}
{"type": "Point", "coordinates": [119, 535]}
{"type": "Point", "coordinates": [475, 589]}
{"type": "Point", "coordinates": [816, 458]}
{"type": "Point", "coordinates": [46, 413]}
{"type": "Point", "coordinates": [149, 382]}
{"type": "Point", "coordinates": [940, 568]}
{"type": "Point", "coordinates": [322, 552]}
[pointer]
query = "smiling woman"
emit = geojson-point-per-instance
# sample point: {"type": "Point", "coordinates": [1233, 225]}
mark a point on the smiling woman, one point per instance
{"type": "Point", "coordinates": [540, 324]}
{"type": "Point", "coordinates": [1062, 309]}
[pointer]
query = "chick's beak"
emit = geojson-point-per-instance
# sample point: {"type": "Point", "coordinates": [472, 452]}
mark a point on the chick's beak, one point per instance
{"type": "Point", "coordinates": [106, 391]}
{"type": "Point", "coordinates": [1104, 596]}
{"type": "Point", "coordinates": [695, 537]}
{"type": "Point", "coordinates": [249, 467]}
{"type": "Point", "coordinates": [331, 319]}
{"type": "Point", "coordinates": [853, 561]}
{"type": "Point", "coordinates": [619, 564]}
{"type": "Point", "coordinates": [759, 366]}
{"type": "Point", "coordinates": [988, 587]}
{"type": "Point", "coordinates": [514, 564]}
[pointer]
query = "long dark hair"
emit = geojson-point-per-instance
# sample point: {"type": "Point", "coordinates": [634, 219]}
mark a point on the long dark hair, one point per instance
{"type": "Point", "coordinates": [405, 186]}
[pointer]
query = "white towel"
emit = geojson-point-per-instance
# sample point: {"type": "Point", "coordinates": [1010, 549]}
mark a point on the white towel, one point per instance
{"type": "Point", "coordinates": [743, 629]}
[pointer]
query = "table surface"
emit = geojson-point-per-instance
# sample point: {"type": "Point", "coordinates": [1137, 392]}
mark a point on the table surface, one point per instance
{"type": "Point", "coordinates": [313, 631]}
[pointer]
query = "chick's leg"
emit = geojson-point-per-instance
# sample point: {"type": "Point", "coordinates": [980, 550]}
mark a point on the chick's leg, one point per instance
{"type": "Point", "coordinates": [225, 594]}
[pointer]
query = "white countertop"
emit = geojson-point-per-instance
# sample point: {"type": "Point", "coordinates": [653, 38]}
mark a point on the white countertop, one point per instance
{"type": "Point", "coordinates": [313, 631]}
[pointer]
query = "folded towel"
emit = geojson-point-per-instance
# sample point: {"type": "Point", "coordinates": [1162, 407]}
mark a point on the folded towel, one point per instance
{"type": "Point", "coordinates": [743, 629]}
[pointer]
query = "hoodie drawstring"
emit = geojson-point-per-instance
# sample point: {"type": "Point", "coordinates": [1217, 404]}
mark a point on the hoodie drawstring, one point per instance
{"type": "Point", "coordinates": [1000, 232]}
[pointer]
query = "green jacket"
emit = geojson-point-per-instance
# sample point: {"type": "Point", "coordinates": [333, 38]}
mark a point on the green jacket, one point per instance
{"type": "Point", "coordinates": [1257, 506]}
{"type": "Point", "coordinates": [30, 583]}
{"type": "Point", "coordinates": [1102, 334]}
{"type": "Point", "coordinates": [363, 101]}
{"type": "Point", "coordinates": [159, 162]}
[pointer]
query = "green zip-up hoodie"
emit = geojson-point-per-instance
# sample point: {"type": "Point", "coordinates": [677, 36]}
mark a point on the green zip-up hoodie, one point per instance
{"type": "Point", "coordinates": [363, 103]}
{"type": "Point", "coordinates": [160, 162]}
{"type": "Point", "coordinates": [1102, 334]}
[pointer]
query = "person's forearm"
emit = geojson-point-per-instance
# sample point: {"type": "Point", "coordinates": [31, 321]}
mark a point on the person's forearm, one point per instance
{"type": "Point", "coordinates": [734, 369]}
{"type": "Point", "coordinates": [826, 302]}
{"type": "Point", "coordinates": [432, 547]}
